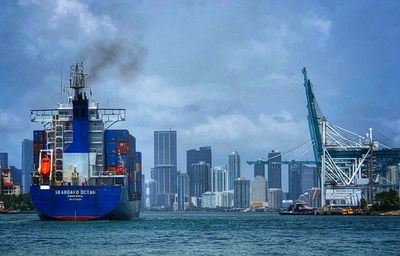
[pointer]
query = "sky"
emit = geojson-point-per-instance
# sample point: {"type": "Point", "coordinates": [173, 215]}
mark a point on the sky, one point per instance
{"type": "Point", "coordinates": [225, 74]}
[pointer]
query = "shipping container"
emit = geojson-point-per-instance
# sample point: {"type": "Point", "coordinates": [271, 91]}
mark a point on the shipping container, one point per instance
{"type": "Point", "coordinates": [36, 160]}
{"type": "Point", "coordinates": [37, 147]}
{"type": "Point", "coordinates": [111, 160]}
{"type": "Point", "coordinates": [111, 148]}
{"type": "Point", "coordinates": [109, 136]}
{"type": "Point", "coordinates": [123, 147]}
{"type": "Point", "coordinates": [38, 136]}
{"type": "Point", "coordinates": [116, 135]}
{"type": "Point", "coordinates": [125, 159]}
{"type": "Point", "coordinates": [114, 160]}
{"type": "Point", "coordinates": [132, 142]}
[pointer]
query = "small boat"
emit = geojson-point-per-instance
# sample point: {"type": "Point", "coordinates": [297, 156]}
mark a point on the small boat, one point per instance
{"type": "Point", "coordinates": [298, 209]}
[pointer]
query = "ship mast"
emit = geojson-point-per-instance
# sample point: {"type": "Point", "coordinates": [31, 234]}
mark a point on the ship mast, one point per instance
{"type": "Point", "coordinates": [77, 80]}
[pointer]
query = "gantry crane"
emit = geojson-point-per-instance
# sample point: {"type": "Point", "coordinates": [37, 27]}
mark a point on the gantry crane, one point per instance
{"type": "Point", "coordinates": [346, 161]}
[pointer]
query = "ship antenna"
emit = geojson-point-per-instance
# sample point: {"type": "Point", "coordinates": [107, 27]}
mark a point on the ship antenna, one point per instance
{"type": "Point", "coordinates": [61, 85]}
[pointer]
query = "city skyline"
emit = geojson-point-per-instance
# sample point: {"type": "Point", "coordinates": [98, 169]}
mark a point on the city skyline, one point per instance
{"type": "Point", "coordinates": [223, 74]}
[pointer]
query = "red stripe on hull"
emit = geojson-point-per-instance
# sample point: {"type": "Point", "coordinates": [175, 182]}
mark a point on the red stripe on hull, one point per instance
{"type": "Point", "coordinates": [75, 218]}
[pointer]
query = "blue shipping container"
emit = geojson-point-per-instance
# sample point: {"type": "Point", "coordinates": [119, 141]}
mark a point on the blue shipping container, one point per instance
{"type": "Point", "coordinates": [111, 160]}
{"type": "Point", "coordinates": [132, 142]}
{"type": "Point", "coordinates": [114, 160]}
{"type": "Point", "coordinates": [38, 136]}
{"type": "Point", "coordinates": [111, 148]}
{"type": "Point", "coordinates": [109, 136]}
{"type": "Point", "coordinates": [116, 135]}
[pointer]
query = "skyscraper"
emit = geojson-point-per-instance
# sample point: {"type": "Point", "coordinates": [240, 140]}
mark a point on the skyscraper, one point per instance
{"type": "Point", "coordinates": [241, 193]}
{"type": "Point", "coordinates": [233, 168]}
{"type": "Point", "coordinates": [16, 175]}
{"type": "Point", "coordinates": [200, 179]}
{"type": "Point", "coordinates": [274, 170]}
{"type": "Point", "coordinates": [165, 169]}
{"type": "Point", "coordinates": [194, 156]}
{"type": "Point", "coordinates": [219, 179]}
{"type": "Point", "coordinates": [259, 169]}
{"type": "Point", "coordinates": [294, 181]}
{"type": "Point", "coordinates": [301, 179]}
{"type": "Point", "coordinates": [258, 190]}
{"type": "Point", "coordinates": [150, 193]}
{"type": "Point", "coordinates": [183, 192]}
{"type": "Point", "coordinates": [309, 178]}
{"type": "Point", "coordinates": [26, 164]}
{"type": "Point", "coordinates": [4, 160]}
{"type": "Point", "coordinates": [274, 198]}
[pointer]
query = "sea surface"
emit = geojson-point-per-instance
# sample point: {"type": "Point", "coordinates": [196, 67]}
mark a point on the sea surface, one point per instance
{"type": "Point", "coordinates": [203, 234]}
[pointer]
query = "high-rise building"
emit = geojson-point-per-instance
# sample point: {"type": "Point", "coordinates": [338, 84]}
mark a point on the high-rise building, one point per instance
{"type": "Point", "coordinates": [183, 192]}
{"type": "Point", "coordinates": [258, 190]}
{"type": "Point", "coordinates": [194, 156]}
{"type": "Point", "coordinates": [3, 160]}
{"type": "Point", "coordinates": [143, 193]}
{"type": "Point", "coordinates": [393, 175]}
{"type": "Point", "coordinates": [294, 181]}
{"type": "Point", "coordinates": [165, 166]}
{"type": "Point", "coordinates": [8, 186]}
{"type": "Point", "coordinates": [301, 179]}
{"type": "Point", "coordinates": [219, 179]}
{"type": "Point", "coordinates": [227, 198]}
{"type": "Point", "coordinates": [259, 169]}
{"type": "Point", "coordinates": [150, 193]}
{"type": "Point", "coordinates": [209, 199]}
{"type": "Point", "coordinates": [274, 170]}
{"type": "Point", "coordinates": [274, 198]}
{"type": "Point", "coordinates": [26, 164]}
{"type": "Point", "coordinates": [309, 178]}
{"type": "Point", "coordinates": [241, 193]}
{"type": "Point", "coordinates": [233, 168]}
{"type": "Point", "coordinates": [200, 180]}
{"type": "Point", "coordinates": [16, 175]}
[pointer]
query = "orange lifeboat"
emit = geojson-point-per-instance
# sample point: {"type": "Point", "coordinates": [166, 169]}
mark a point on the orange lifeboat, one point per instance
{"type": "Point", "coordinates": [45, 167]}
{"type": "Point", "coordinates": [120, 170]}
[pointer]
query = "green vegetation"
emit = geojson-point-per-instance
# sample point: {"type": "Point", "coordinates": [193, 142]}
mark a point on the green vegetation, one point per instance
{"type": "Point", "coordinates": [363, 204]}
{"type": "Point", "coordinates": [386, 201]}
{"type": "Point", "coordinates": [22, 202]}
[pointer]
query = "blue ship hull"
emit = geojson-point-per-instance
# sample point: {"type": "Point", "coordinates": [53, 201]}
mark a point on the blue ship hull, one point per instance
{"type": "Point", "coordinates": [84, 203]}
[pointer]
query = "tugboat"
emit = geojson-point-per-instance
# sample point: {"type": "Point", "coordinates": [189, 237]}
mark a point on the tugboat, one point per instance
{"type": "Point", "coordinates": [298, 208]}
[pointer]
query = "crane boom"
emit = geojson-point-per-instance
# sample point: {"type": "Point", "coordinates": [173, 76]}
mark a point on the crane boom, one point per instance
{"type": "Point", "coordinates": [313, 123]}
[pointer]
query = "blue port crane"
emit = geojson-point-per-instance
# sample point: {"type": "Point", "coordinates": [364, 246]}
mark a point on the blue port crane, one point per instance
{"type": "Point", "coordinates": [345, 160]}
{"type": "Point", "coordinates": [314, 119]}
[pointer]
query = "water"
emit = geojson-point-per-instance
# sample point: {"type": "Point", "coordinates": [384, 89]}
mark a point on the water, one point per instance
{"type": "Point", "coordinates": [203, 234]}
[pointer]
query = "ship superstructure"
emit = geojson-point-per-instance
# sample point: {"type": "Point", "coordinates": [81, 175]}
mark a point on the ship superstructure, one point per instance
{"type": "Point", "coordinates": [77, 151]}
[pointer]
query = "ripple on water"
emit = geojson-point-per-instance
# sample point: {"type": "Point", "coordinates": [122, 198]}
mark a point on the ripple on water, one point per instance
{"type": "Point", "coordinates": [203, 234]}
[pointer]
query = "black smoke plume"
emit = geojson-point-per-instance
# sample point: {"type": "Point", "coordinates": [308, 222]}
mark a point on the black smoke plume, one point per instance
{"type": "Point", "coordinates": [123, 58]}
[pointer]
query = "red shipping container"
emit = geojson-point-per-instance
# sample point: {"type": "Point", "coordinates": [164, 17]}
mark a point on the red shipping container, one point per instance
{"type": "Point", "coordinates": [122, 147]}
{"type": "Point", "coordinates": [37, 147]}
{"type": "Point", "coordinates": [139, 167]}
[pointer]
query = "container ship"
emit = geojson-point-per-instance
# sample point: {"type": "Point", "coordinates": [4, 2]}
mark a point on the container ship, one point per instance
{"type": "Point", "coordinates": [83, 170]}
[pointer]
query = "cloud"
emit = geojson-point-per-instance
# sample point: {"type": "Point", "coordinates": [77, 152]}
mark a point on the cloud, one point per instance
{"type": "Point", "coordinates": [255, 134]}
{"type": "Point", "coordinates": [71, 11]}
{"type": "Point", "coordinates": [319, 27]}
{"type": "Point", "coordinates": [397, 138]}
{"type": "Point", "coordinates": [9, 122]}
